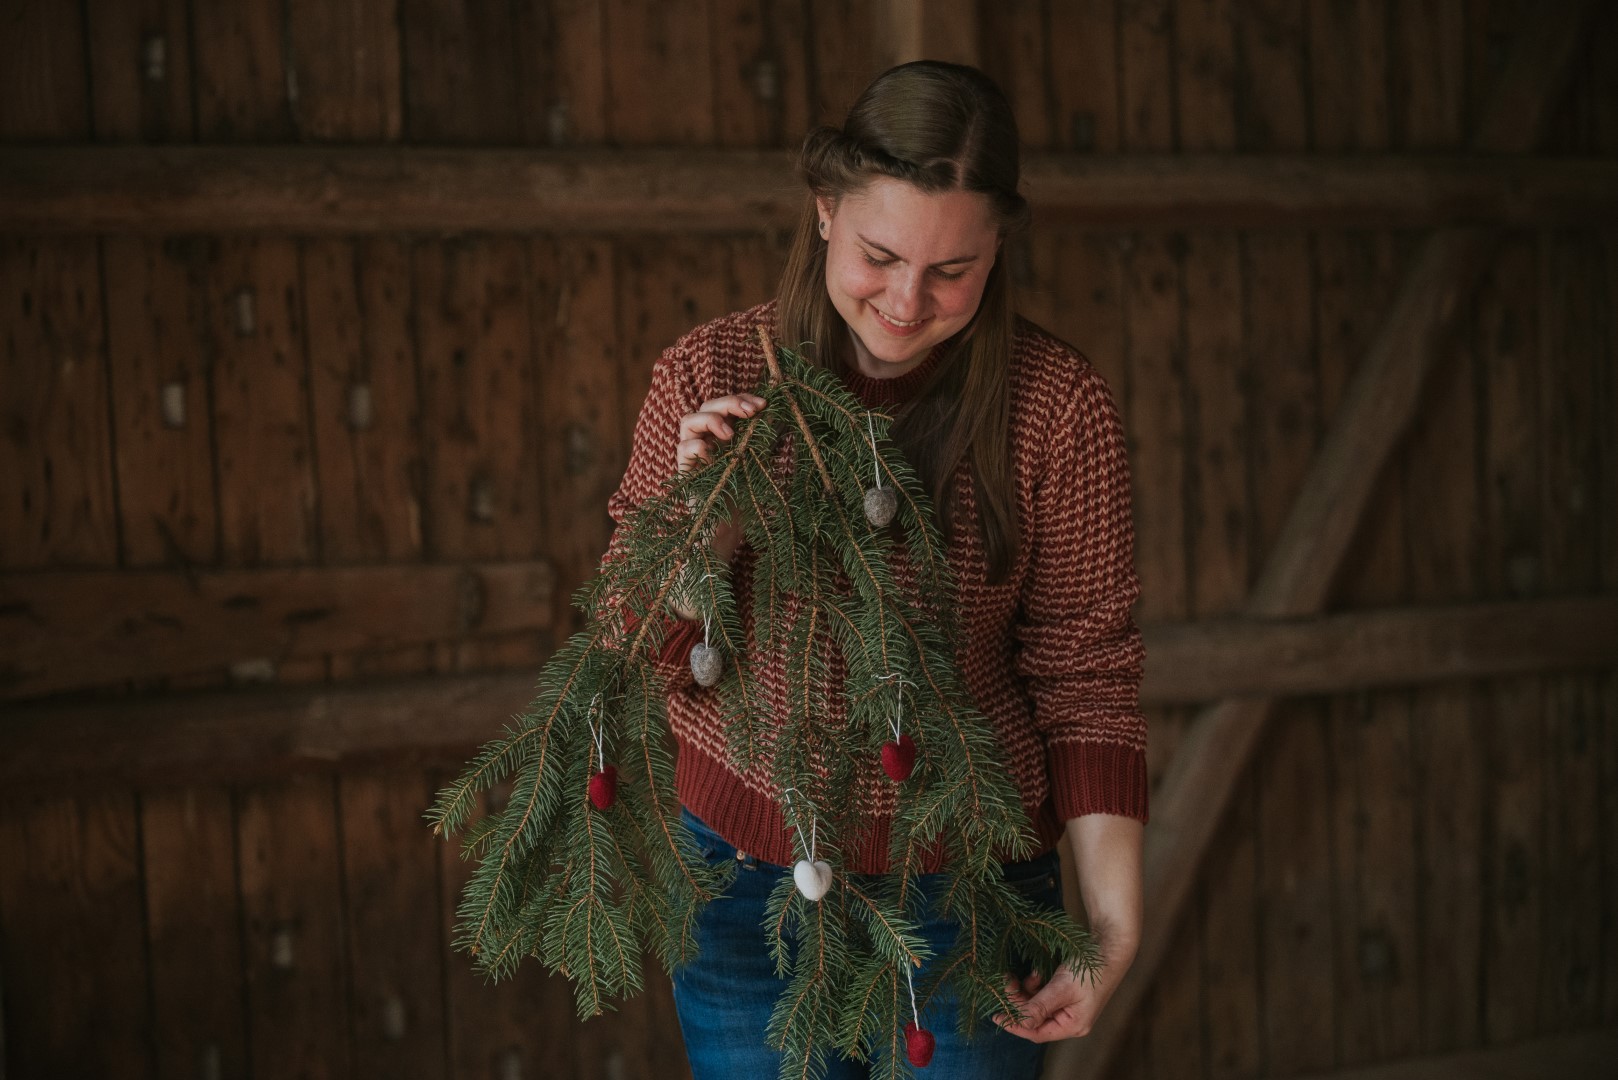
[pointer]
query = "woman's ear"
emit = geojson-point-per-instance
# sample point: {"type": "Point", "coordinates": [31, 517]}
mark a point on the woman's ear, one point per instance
{"type": "Point", "coordinates": [824, 208]}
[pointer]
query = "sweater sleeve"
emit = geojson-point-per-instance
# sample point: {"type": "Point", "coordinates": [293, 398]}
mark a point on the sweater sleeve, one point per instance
{"type": "Point", "coordinates": [652, 460]}
{"type": "Point", "coordinates": [1080, 652]}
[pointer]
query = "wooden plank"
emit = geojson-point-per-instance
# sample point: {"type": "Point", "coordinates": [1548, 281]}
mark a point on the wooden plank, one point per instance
{"type": "Point", "coordinates": [583, 446]}
{"type": "Point", "coordinates": [67, 630]}
{"type": "Point", "coordinates": [73, 948]}
{"type": "Point", "coordinates": [141, 54]}
{"type": "Point", "coordinates": [390, 894]}
{"type": "Point", "coordinates": [1271, 107]}
{"type": "Point", "coordinates": [1587, 1055]}
{"type": "Point", "coordinates": [490, 1028]}
{"type": "Point", "coordinates": [1426, 72]}
{"type": "Point", "coordinates": [1084, 34]}
{"type": "Point", "coordinates": [1205, 75]}
{"type": "Point", "coordinates": [1017, 57]}
{"type": "Point", "coordinates": [846, 51]}
{"type": "Point", "coordinates": [577, 112]}
{"type": "Point", "coordinates": [362, 370]}
{"type": "Point", "coordinates": [761, 90]}
{"type": "Point", "coordinates": [343, 70]}
{"type": "Point", "coordinates": [194, 927]}
{"type": "Point", "coordinates": [292, 917]}
{"type": "Point", "coordinates": [240, 72]}
{"type": "Point", "coordinates": [1348, 74]}
{"type": "Point", "coordinates": [478, 405]}
{"type": "Point", "coordinates": [1146, 97]}
{"type": "Point", "coordinates": [44, 88]}
{"type": "Point", "coordinates": [346, 191]}
{"type": "Point", "coordinates": [56, 487]}
{"type": "Point", "coordinates": [158, 373]}
{"type": "Point", "coordinates": [660, 89]}
{"type": "Point", "coordinates": [267, 509]}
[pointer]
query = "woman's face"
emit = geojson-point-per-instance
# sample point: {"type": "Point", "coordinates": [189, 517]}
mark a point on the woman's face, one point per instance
{"type": "Point", "coordinates": [905, 268]}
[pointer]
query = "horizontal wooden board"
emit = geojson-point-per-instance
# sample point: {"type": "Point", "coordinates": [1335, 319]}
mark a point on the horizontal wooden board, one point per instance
{"type": "Point", "coordinates": [78, 629]}
{"type": "Point", "coordinates": [78, 189]}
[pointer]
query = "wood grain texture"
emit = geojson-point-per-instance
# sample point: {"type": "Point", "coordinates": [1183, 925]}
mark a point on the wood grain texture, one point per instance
{"type": "Point", "coordinates": [240, 73]}
{"type": "Point", "coordinates": [1205, 74]}
{"type": "Point", "coordinates": [1085, 76]}
{"type": "Point", "coordinates": [157, 358]}
{"type": "Point", "coordinates": [660, 82]}
{"type": "Point", "coordinates": [391, 924]}
{"type": "Point", "coordinates": [343, 70]}
{"type": "Point", "coordinates": [194, 930]}
{"type": "Point", "coordinates": [760, 72]}
{"type": "Point", "coordinates": [358, 301]}
{"type": "Point", "coordinates": [1145, 80]}
{"type": "Point", "coordinates": [1348, 73]}
{"type": "Point", "coordinates": [44, 87]}
{"type": "Point", "coordinates": [290, 871]}
{"type": "Point", "coordinates": [140, 57]}
{"type": "Point", "coordinates": [72, 945]}
{"type": "Point", "coordinates": [56, 469]}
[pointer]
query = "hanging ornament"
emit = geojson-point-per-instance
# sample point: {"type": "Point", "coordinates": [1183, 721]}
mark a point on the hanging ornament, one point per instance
{"type": "Point", "coordinates": [881, 503]}
{"type": "Point", "coordinates": [812, 876]}
{"type": "Point", "coordinates": [898, 754]}
{"type": "Point", "coordinates": [707, 662]}
{"type": "Point", "coordinates": [603, 786]}
{"type": "Point", "coordinates": [919, 1042]}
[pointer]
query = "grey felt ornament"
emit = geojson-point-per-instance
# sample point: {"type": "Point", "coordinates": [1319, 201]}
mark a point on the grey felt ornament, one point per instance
{"type": "Point", "coordinates": [881, 503]}
{"type": "Point", "coordinates": [707, 664]}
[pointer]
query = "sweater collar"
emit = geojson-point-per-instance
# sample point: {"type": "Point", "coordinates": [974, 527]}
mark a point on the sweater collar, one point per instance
{"type": "Point", "coordinates": [880, 393]}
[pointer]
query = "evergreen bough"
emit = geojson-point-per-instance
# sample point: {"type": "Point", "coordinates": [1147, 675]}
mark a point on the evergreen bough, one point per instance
{"type": "Point", "coordinates": [588, 891]}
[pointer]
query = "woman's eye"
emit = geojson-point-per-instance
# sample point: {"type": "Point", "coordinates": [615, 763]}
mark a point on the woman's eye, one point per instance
{"type": "Point", "coordinates": [948, 275]}
{"type": "Point", "coordinates": [875, 261]}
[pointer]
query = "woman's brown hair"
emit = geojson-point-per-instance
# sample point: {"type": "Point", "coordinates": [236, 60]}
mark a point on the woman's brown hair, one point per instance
{"type": "Point", "coordinates": [941, 127]}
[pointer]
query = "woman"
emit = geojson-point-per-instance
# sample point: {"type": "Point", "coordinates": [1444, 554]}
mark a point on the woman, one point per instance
{"type": "Point", "coordinates": [897, 275]}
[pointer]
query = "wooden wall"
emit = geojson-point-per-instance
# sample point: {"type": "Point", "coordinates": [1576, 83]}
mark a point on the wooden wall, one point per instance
{"type": "Point", "coordinates": [1405, 871]}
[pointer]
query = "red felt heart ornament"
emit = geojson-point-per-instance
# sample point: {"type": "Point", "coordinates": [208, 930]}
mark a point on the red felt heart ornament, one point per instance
{"type": "Point", "coordinates": [604, 788]}
{"type": "Point", "coordinates": [919, 1044]}
{"type": "Point", "coordinates": [899, 758]}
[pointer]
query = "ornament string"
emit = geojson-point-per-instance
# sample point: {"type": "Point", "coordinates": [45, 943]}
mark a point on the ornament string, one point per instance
{"type": "Point", "coordinates": [912, 986]}
{"type": "Point", "coordinates": [899, 705]}
{"type": "Point", "coordinates": [597, 733]}
{"type": "Point", "coordinates": [876, 459]}
{"type": "Point", "coordinates": [812, 822]}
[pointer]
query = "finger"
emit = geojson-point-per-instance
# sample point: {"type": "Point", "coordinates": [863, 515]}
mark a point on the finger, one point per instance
{"type": "Point", "coordinates": [691, 451]}
{"type": "Point", "coordinates": [734, 404]}
{"type": "Point", "coordinates": [705, 423]}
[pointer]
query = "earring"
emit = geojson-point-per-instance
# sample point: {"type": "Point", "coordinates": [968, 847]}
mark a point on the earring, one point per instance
{"type": "Point", "coordinates": [824, 225]}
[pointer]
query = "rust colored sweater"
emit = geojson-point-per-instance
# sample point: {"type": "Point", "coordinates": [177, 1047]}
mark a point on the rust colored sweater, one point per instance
{"type": "Point", "coordinates": [1051, 655]}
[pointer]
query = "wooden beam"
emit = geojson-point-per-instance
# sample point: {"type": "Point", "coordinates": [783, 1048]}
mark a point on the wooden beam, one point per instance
{"type": "Point", "coordinates": [248, 733]}
{"type": "Point", "coordinates": [1374, 416]}
{"type": "Point", "coordinates": [66, 630]}
{"type": "Point", "coordinates": [311, 190]}
{"type": "Point", "coordinates": [1218, 658]}
{"type": "Point", "coordinates": [1586, 1055]}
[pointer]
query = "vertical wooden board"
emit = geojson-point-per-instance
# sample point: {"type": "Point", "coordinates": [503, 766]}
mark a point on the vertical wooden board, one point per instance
{"type": "Point", "coordinates": [664, 289]}
{"type": "Point", "coordinates": [44, 88]}
{"type": "Point", "coordinates": [1271, 94]}
{"type": "Point", "coordinates": [343, 70]}
{"type": "Point", "coordinates": [761, 78]}
{"type": "Point", "coordinates": [477, 384]}
{"type": "Point", "coordinates": [1570, 321]}
{"type": "Point", "coordinates": [193, 924]}
{"type": "Point", "coordinates": [660, 88]}
{"type": "Point", "coordinates": [1173, 1014]}
{"type": "Point", "coordinates": [1146, 75]}
{"type": "Point", "coordinates": [1231, 921]}
{"type": "Point", "coordinates": [582, 446]}
{"type": "Point", "coordinates": [1509, 557]}
{"type": "Point", "coordinates": [1205, 74]}
{"type": "Point", "coordinates": [1427, 71]}
{"type": "Point", "coordinates": [1441, 510]}
{"type": "Point", "coordinates": [1084, 76]}
{"type": "Point", "coordinates": [1609, 847]}
{"type": "Point", "coordinates": [158, 377]}
{"type": "Point", "coordinates": [756, 264]}
{"type": "Point", "coordinates": [1089, 302]}
{"type": "Point", "coordinates": [1033, 262]}
{"type": "Point", "coordinates": [362, 372]}
{"type": "Point", "coordinates": [1015, 56]}
{"type": "Point", "coordinates": [1284, 395]}
{"type": "Point", "coordinates": [1348, 73]}
{"type": "Point", "coordinates": [462, 79]}
{"type": "Point", "coordinates": [292, 913]}
{"type": "Point", "coordinates": [241, 79]}
{"type": "Point", "coordinates": [56, 489]}
{"type": "Point", "coordinates": [522, 1026]}
{"type": "Point", "coordinates": [140, 54]}
{"type": "Point", "coordinates": [1295, 891]}
{"type": "Point", "coordinates": [267, 505]}
{"type": "Point", "coordinates": [578, 108]}
{"type": "Point", "coordinates": [71, 942]}
{"type": "Point", "coordinates": [396, 968]}
{"type": "Point", "coordinates": [845, 54]}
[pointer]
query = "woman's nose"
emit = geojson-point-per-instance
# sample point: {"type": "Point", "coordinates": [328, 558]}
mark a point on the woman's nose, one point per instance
{"type": "Point", "coordinates": [905, 295]}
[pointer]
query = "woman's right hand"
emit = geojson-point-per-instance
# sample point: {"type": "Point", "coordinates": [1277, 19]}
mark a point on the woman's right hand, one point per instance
{"type": "Point", "coordinates": [699, 433]}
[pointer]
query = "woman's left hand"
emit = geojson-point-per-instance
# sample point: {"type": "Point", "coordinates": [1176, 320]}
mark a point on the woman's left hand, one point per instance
{"type": "Point", "coordinates": [1066, 1007]}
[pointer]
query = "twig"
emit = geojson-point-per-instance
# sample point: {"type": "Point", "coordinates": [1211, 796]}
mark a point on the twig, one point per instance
{"type": "Point", "coordinates": [797, 413]}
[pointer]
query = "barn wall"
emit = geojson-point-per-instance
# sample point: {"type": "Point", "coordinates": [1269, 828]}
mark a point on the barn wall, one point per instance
{"type": "Point", "coordinates": [1403, 871]}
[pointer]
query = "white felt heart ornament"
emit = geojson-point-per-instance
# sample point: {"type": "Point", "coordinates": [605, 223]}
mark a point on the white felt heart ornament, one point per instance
{"type": "Point", "coordinates": [812, 878]}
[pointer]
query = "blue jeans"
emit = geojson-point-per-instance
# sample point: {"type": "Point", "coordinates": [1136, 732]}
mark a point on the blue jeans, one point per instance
{"type": "Point", "coordinates": [724, 996]}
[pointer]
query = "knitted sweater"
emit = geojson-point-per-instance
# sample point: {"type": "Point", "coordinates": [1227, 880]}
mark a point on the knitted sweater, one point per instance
{"type": "Point", "coordinates": [1050, 655]}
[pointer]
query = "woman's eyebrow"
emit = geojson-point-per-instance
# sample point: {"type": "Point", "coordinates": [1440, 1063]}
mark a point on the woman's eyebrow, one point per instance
{"type": "Point", "coordinates": [894, 255]}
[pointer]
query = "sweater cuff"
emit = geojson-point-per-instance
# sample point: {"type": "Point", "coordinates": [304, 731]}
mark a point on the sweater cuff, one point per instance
{"type": "Point", "coordinates": [1098, 778]}
{"type": "Point", "coordinates": [673, 660]}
